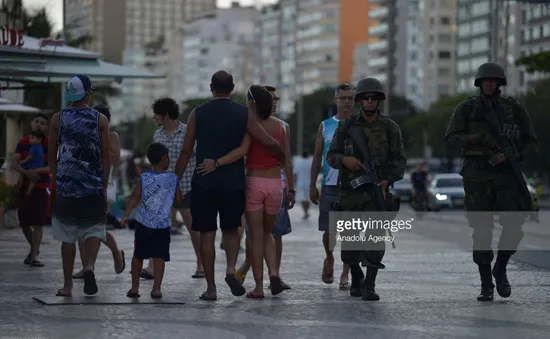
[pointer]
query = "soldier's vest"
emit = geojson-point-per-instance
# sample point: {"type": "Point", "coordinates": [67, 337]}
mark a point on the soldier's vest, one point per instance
{"type": "Point", "coordinates": [506, 114]}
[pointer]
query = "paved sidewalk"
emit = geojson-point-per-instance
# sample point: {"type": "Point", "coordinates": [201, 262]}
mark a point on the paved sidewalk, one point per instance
{"type": "Point", "coordinates": [427, 291]}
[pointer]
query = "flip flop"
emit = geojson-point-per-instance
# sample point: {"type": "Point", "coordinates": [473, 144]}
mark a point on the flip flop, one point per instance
{"type": "Point", "coordinates": [240, 276]}
{"type": "Point", "coordinates": [146, 275]}
{"type": "Point", "coordinates": [90, 285]}
{"type": "Point", "coordinates": [327, 278]}
{"type": "Point", "coordinates": [276, 285]}
{"type": "Point", "coordinates": [123, 263]}
{"type": "Point", "coordinates": [207, 298]}
{"type": "Point", "coordinates": [252, 295]}
{"type": "Point", "coordinates": [130, 294]}
{"type": "Point", "coordinates": [285, 286]}
{"type": "Point", "coordinates": [198, 275]}
{"type": "Point", "coordinates": [235, 285]}
{"type": "Point", "coordinates": [28, 258]}
{"type": "Point", "coordinates": [156, 296]}
{"type": "Point", "coordinates": [79, 275]}
{"type": "Point", "coordinates": [36, 263]}
{"type": "Point", "coordinates": [60, 293]}
{"type": "Point", "coordinates": [344, 286]}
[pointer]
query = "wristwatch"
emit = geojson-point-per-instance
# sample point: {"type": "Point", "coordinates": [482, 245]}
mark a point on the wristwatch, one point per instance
{"type": "Point", "coordinates": [217, 164]}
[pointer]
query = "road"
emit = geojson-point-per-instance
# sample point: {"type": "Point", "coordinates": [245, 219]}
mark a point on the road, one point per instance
{"type": "Point", "coordinates": [451, 226]}
{"type": "Point", "coordinates": [427, 291]}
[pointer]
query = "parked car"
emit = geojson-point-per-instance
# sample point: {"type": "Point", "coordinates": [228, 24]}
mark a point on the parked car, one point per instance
{"type": "Point", "coordinates": [403, 188]}
{"type": "Point", "coordinates": [446, 190]}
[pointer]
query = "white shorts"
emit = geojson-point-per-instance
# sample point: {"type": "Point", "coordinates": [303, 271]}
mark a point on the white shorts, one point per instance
{"type": "Point", "coordinates": [72, 234]}
{"type": "Point", "coordinates": [302, 194]}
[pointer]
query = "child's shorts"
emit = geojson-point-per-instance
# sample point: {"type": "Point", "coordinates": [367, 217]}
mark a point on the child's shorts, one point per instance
{"type": "Point", "coordinates": [151, 243]}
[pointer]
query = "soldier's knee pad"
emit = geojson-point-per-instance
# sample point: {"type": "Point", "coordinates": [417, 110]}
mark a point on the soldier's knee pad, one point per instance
{"type": "Point", "coordinates": [483, 257]}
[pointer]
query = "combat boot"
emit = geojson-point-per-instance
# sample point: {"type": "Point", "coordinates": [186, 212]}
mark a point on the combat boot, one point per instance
{"type": "Point", "coordinates": [357, 278]}
{"type": "Point", "coordinates": [368, 292]}
{"type": "Point", "coordinates": [499, 272]}
{"type": "Point", "coordinates": [487, 286]}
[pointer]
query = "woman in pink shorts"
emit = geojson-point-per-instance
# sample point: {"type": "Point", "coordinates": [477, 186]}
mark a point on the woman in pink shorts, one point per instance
{"type": "Point", "coordinates": [264, 195]}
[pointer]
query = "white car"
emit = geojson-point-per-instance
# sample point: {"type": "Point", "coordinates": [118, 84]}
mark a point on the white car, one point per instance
{"type": "Point", "coordinates": [446, 190]}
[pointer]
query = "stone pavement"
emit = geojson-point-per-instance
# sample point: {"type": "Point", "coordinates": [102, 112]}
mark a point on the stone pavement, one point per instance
{"type": "Point", "coordinates": [427, 291]}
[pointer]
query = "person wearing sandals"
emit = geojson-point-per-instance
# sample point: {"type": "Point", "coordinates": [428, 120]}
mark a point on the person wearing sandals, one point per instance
{"type": "Point", "coordinates": [264, 192]}
{"type": "Point", "coordinates": [282, 225]}
{"type": "Point", "coordinates": [155, 192]}
{"type": "Point", "coordinates": [171, 133]}
{"type": "Point", "coordinates": [343, 98]}
{"type": "Point", "coordinates": [81, 175]}
{"type": "Point", "coordinates": [118, 255]}
{"type": "Point", "coordinates": [219, 127]}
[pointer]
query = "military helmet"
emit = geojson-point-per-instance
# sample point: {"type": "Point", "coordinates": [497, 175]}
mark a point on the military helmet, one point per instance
{"type": "Point", "coordinates": [490, 70]}
{"type": "Point", "coordinates": [369, 85]}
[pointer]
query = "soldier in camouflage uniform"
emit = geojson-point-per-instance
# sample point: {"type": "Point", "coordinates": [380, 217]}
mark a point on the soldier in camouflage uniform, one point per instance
{"type": "Point", "coordinates": [386, 146]}
{"type": "Point", "coordinates": [491, 188]}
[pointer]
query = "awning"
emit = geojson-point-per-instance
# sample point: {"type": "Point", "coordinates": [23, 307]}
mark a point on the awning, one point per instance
{"type": "Point", "coordinates": [7, 107]}
{"type": "Point", "coordinates": [43, 69]}
{"type": "Point", "coordinates": [32, 62]}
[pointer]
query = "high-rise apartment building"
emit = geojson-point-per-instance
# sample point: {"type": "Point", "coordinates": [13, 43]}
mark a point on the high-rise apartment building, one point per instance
{"type": "Point", "coordinates": [224, 41]}
{"type": "Point", "coordinates": [376, 57]}
{"type": "Point", "coordinates": [429, 71]}
{"type": "Point", "coordinates": [102, 22]}
{"type": "Point", "coordinates": [317, 45]}
{"type": "Point", "coordinates": [535, 38]}
{"type": "Point", "coordinates": [268, 42]}
{"type": "Point", "coordinates": [353, 29]}
{"type": "Point", "coordinates": [488, 30]}
{"type": "Point", "coordinates": [193, 9]}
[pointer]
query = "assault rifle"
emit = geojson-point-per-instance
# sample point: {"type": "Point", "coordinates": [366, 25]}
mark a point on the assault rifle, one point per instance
{"type": "Point", "coordinates": [507, 148]}
{"type": "Point", "coordinates": [372, 174]}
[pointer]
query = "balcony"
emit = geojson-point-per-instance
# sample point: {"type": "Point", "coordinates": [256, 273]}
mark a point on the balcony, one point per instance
{"type": "Point", "coordinates": [378, 30]}
{"type": "Point", "coordinates": [379, 13]}
{"type": "Point", "coordinates": [377, 62]}
{"type": "Point", "coordinates": [378, 46]}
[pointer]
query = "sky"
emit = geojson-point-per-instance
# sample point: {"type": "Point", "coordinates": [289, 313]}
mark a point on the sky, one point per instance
{"type": "Point", "coordinates": [55, 7]}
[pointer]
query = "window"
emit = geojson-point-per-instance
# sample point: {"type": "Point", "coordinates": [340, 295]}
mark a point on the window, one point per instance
{"type": "Point", "coordinates": [445, 20]}
{"type": "Point", "coordinates": [464, 29]}
{"type": "Point", "coordinates": [443, 90]}
{"type": "Point", "coordinates": [480, 8]}
{"type": "Point", "coordinates": [442, 72]}
{"type": "Point", "coordinates": [463, 66]}
{"type": "Point", "coordinates": [449, 182]}
{"type": "Point", "coordinates": [412, 56]}
{"type": "Point", "coordinates": [480, 26]}
{"type": "Point", "coordinates": [444, 55]}
{"type": "Point", "coordinates": [480, 45]}
{"type": "Point", "coordinates": [464, 48]}
{"type": "Point", "coordinates": [536, 33]}
{"type": "Point", "coordinates": [445, 38]}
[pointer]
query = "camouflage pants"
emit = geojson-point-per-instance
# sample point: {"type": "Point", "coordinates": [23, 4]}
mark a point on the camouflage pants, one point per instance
{"type": "Point", "coordinates": [373, 251]}
{"type": "Point", "coordinates": [483, 197]}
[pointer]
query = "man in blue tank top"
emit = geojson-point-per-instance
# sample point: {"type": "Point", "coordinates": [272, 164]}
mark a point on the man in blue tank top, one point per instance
{"type": "Point", "coordinates": [218, 127]}
{"type": "Point", "coordinates": [329, 192]}
{"type": "Point", "coordinates": [81, 175]}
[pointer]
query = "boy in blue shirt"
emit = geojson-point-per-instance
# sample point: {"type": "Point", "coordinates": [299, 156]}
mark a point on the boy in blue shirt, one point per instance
{"type": "Point", "coordinates": [155, 192]}
{"type": "Point", "coordinates": [35, 159]}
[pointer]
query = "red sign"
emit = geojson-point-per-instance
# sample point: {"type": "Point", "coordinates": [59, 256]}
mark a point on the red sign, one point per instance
{"type": "Point", "coordinates": [12, 37]}
{"type": "Point", "coordinates": [51, 42]}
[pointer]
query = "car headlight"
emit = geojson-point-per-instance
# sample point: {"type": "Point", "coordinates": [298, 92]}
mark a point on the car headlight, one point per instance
{"type": "Point", "coordinates": [441, 197]}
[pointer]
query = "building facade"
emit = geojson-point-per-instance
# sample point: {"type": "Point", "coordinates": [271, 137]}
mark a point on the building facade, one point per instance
{"type": "Point", "coordinates": [488, 30]}
{"type": "Point", "coordinates": [430, 50]}
{"type": "Point", "coordinates": [317, 45]}
{"type": "Point", "coordinates": [224, 41]}
{"type": "Point", "coordinates": [535, 38]}
{"type": "Point", "coordinates": [268, 42]}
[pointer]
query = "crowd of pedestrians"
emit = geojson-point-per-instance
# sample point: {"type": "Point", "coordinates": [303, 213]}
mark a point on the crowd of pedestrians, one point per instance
{"type": "Point", "coordinates": [229, 160]}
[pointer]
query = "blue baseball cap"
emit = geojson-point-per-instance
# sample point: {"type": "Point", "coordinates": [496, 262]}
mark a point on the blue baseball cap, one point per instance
{"type": "Point", "coordinates": [77, 87]}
